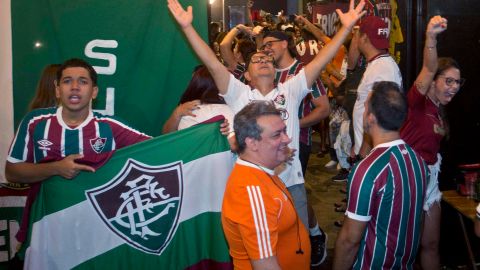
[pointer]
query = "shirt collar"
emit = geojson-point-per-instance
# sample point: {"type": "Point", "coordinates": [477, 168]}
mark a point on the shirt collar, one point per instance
{"type": "Point", "coordinates": [255, 166]}
{"type": "Point", "coordinates": [63, 124]}
{"type": "Point", "coordinates": [390, 144]}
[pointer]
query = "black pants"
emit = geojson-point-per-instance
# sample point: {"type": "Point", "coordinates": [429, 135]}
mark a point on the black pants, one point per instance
{"type": "Point", "coordinates": [304, 155]}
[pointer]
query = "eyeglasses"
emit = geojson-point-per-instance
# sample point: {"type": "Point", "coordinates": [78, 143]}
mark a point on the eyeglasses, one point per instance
{"type": "Point", "coordinates": [449, 81]}
{"type": "Point", "coordinates": [263, 58]}
{"type": "Point", "coordinates": [269, 44]}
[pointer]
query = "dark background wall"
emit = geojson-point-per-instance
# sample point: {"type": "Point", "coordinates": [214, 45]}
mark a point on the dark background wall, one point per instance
{"type": "Point", "coordinates": [462, 42]}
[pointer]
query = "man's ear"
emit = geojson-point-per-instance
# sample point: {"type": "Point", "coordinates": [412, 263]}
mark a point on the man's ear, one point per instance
{"type": "Point", "coordinates": [371, 118]}
{"type": "Point", "coordinates": [95, 92]}
{"type": "Point", "coordinates": [247, 76]}
{"type": "Point", "coordinates": [251, 144]}
{"type": "Point", "coordinates": [57, 89]}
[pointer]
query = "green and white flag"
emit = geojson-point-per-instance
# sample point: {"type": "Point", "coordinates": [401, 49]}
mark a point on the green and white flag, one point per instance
{"type": "Point", "coordinates": [154, 205]}
{"type": "Point", "coordinates": [12, 201]}
{"type": "Point", "coordinates": [142, 58]}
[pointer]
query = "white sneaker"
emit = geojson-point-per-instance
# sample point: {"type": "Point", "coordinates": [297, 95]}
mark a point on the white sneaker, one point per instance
{"type": "Point", "coordinates": [331, 164]}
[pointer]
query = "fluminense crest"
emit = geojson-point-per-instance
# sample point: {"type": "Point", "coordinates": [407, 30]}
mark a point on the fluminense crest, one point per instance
{"type": "Point", "coordinates": [141, 204]}
{"type": "Point", "coordinates": [98, 144]}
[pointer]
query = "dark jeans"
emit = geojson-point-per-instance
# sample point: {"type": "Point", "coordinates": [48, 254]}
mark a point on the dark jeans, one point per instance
{"type": "Point", "coordinates": [351, 84]}
{"type": "Point", "coordinates": [333, 154]}
{"type": "Point", "coordinates": [304, 155]}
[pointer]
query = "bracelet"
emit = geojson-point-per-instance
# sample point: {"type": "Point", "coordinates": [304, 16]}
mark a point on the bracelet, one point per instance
{"type": "Point", "coordinates": [431, 48]}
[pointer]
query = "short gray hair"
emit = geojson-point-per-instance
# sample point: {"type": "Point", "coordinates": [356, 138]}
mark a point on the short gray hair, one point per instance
{"type": "Point", "coordinates": [245, 122]}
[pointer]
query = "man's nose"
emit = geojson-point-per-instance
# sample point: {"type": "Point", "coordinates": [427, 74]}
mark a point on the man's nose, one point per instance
{"type": "Point", "coordinates": [75, 84]}
{"type": "Point", "coordinates": [286, 139]}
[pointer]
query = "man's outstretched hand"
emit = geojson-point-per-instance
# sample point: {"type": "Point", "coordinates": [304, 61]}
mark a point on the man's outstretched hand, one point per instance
{"type": "Point", "coordinates": [183, 18]}
{"type": "Point", "coordinates": [353, 15]}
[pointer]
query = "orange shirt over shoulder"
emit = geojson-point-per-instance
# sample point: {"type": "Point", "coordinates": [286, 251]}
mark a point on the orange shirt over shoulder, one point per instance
{"type": "Point", "coordinates": [259, 220]}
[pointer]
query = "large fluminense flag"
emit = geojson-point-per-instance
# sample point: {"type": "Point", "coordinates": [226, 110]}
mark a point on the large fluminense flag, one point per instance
{"type": "Point", "coordinates": [154, 205]}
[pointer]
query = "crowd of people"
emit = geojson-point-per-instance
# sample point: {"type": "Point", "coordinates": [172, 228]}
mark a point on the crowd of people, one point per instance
{"type": "Point", "coordinates": [274, 83]}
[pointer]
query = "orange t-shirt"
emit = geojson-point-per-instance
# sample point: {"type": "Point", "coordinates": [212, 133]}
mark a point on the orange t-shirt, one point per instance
{"type": "Point", "coordinates": [259, 220]}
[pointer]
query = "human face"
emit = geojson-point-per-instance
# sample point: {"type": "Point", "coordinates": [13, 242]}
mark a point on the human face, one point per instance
{"type": "Point", "coordinates": [446, 85]}
{"type": "Point", "coordinates": [275, 47]}
{"type": "Point", "coordinates": [272, 148]}
{"type": "Point", "coordinates": [261, 68]}
{"type": "Point", "coordinates": [75, 91]}
{"type": "Point", "coordinates": [359, 39]}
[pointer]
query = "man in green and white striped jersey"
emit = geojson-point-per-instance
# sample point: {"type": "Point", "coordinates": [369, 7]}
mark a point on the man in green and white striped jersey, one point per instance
{"type": "Point", "coordinates": [386, 191]}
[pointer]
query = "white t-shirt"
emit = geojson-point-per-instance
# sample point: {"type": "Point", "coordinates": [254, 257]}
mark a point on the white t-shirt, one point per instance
{"type": "Point", "coordinates": [286, 96]}
{"type": "Point", "coordinates": [383, 68]}
{"type": "Point", "coordinates": [205, 112]}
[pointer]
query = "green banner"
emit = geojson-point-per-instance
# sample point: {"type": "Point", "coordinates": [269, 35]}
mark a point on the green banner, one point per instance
{"type": "Point", "coordinates": [143, 61]}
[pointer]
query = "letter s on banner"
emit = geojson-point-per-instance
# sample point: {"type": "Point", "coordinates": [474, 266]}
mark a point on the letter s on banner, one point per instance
{"type": "Point", "coordinates": [111, 58]}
